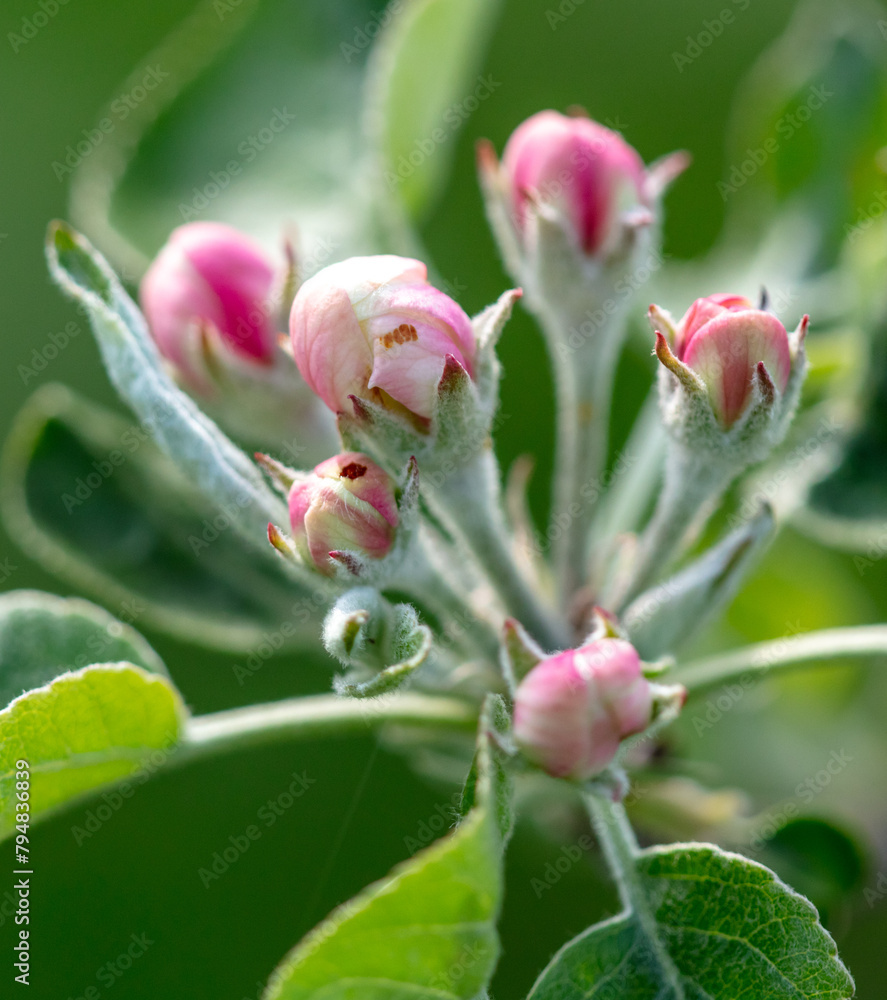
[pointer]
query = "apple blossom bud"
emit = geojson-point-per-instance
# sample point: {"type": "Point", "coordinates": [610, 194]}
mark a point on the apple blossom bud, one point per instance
{"type": "Point", "coordinates": [587, 173]}
{"type": "Point", "coordinates": [375, 329]}
{"type": "Point", "coordinates": [348, 504]}
{"type": "Point", "coordinates": [730, 346]}
{"type": "Point", "coordinates": [573, 709]}
{"type": "Point", "coordinates": [209, 275]}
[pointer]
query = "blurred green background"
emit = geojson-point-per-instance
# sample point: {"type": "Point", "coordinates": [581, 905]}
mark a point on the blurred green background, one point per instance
{"type": "Point", "coordinates": [137, 875]}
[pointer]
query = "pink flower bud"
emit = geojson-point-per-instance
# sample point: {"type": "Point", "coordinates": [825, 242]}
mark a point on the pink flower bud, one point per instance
{"type": "Point", "coordinates": [573, 709]}
{"type": "Point", "coordinates": [723, 339]}
{"type": "Point", "coordinates": [373, 327]}
{"type": "Point", "coordinates": [347, 503]}
{"type": "Point", "coordinates": [210, 275]}
{"type": "Point", "coordinates": [584, 170]}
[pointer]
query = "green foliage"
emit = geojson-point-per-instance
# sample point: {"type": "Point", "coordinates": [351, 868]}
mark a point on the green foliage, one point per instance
{"type": "Point", "coordinates": [42, 636]}
{"type": "Point", "coordinates": [181, 430]}
{"type": "Point", "coordinates": [84, 730]}
{"type": "Point", "coordinates": [90, 495]}
{"type": "Point", "coordinates": [428, 928]}
{"type": "Point", "coordinates": [723, 926]}
{"type": "Point", "coordinates": [420, 76]}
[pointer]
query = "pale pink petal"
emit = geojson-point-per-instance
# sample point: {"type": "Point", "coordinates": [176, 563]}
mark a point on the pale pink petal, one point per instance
{"type": "Point", "coordinates": [580, 167]}
{"type": "Point", "coordinates": [725, 351]}
{"type": "Point", "coordinates": [329, 346]}
{"type": "Point", "coordinates": [701, 312]}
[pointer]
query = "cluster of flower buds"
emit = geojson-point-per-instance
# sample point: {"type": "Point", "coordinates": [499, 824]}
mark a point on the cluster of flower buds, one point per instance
{"type": "Point", "coordinates": [731, 377]}
{"type": "Point", "coordinates": [209, 299]}
{"type": "Point", "coordinates": [407, 372]}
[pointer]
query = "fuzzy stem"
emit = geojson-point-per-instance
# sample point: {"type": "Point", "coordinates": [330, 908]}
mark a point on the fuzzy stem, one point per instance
{"type": "Point", "coordinates": [583, 418]}
{"type": "Point", "coordinates": [783, 654]}
{"type": "Point", "coordinates": [428, 583]}
{"type": "Point", "coordinates": [621, 851]}
{"type": "Point", "coordinates": [692, 483]}
{"type": "Point", "coordinates": [316, 716]}
{"type": "Point", "coordinates": [467, 501]}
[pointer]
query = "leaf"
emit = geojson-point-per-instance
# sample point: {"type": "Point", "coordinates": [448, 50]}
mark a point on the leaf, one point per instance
{"type": "Point", "coordinates": [726, 926]}
{"type": "Point", "coordinates": [253, 106]}
{"type": "Point", "coordinates": [820, 858]}
{"type": "Point", "coordinates": [86, 729]}
{"type": "Point", "coordinates": [847, 507]}
{"type": "Point", "coordinates": [425, 931]}
{"type": "Point", "coordinates": [812, 119]}
{"type": "Point", "coordinates": [179, 428]}
{"type": "Point", "coordinates": [255, 122]}
{"type": "Point", "coordinates": [141, 538]}
{"type": "Point", "coordinates": [421, 84]}
{"type": "Point", "coordinates": [42, 636]}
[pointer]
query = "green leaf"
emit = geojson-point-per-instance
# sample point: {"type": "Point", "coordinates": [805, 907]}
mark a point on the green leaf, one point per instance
{"type": "Point", "coordinates": [42, 636]}
{"type": "Point", "coordinates": [812, 119]}
{"type": "Point", "coordinates": [422, 71]}
{"type": "Point", "coordinates": [256, 122]}
{"type": "Point", "coordinates": [722, 926]}
{"type": "Point", "coordinates": [847, 508]}
{"type": "Point", "coordinates": [180, 429]}
{"type": "Point", "coordinates": [139, 539]}
{"type": "Point", "coordinates": [822, 860]}
{"type": "Point", "coordinates": [427, 930]}
{"type": "Point", "coordinates": [86, 729]}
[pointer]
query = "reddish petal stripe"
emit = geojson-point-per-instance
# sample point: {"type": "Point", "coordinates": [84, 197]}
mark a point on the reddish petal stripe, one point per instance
{"type": "Point", "coordinates": [701, 312]}
{"type": "Point", "coordinates": [236, 270]}
{"type": "Point", "coordinates": [725, 351]}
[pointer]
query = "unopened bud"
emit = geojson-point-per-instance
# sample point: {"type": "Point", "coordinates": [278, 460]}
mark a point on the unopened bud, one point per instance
{"type": "Point", "coordinates": [572, 710]}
